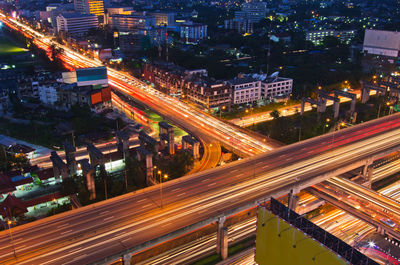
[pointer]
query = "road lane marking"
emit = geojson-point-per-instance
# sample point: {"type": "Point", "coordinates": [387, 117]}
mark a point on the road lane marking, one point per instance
{"type": "Point", "coordinates": [142, 200]}
{"type": "Point", "coordinates": [63, 225]}
{"type": "Point", "coordinates": [167, 224]}
{"type": "Point", "coordinates": [108, 218]}
{"type": "Point", "coordinates": [265, 166]}
{"type": "Point", "coordinates": [212, 184]}
{"type": "Point", "coordinates": [176, 189]}
{"type": "Point", "coordinates": [239, 175]}
{"type": "Point", "coordinates": [181, 194]}
{"type": "Point", "coordinates": [259, 163]}
{"type": "Point", "coordinates": [105, 212]}
{"type": "Point", "coordinates": [147, 205]}
{"type": "Point", "coordinates": [65, 232]}
{"type": "Point", "coordinates": [288, 176]}
{"type": "Point", "coordinates": [75, 250]}
{"type": "Point", "coordinates": [204, 180]}
{"type": "Point", "coordinates": [234, 170]}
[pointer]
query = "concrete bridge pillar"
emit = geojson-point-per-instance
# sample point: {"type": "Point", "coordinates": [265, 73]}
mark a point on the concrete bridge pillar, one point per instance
{"type": "Point", "coordinates": [126, 259]}
{"type": "Point", "coordinates": [368, 173]}
{"type": "Point", "coordinates": [293, 200]}
{"type": "Point", "coordinates": [380, 230]}
{"type": "Point", "coordinates": [353, 105]}
{"type": "Point", "coordinates": [336, 106]}
{"type": "Point", "coordinates": [222, 238]}
{"type": "Point", "coordinates": [364, 95]}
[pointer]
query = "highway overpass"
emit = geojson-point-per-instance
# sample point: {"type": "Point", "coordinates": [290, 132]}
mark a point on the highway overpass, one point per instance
{"type": "Point", "coordinates": [361, 202]}
{"type": "Point", "coordinates": [117, 228]}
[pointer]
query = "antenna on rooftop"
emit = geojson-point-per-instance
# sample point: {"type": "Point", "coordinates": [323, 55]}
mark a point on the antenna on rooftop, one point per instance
{"type": "Point", "coordinates": [166, 45]}
{"type": "Point", "coordinates": [159, 44]}
{"type": "Point", "coordinates": [269, 44]}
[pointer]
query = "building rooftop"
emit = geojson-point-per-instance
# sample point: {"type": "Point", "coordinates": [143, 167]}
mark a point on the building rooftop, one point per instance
{"type": "Point", "coordinates": [243, 80]}
{"type": "Point", "coordinates": [76, 15]}
{"type": "Point", "coordinates": [382, 39]}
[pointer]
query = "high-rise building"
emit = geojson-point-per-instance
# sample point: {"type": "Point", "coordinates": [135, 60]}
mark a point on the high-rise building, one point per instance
{"type": "Point", "coordinates": [193, 32]}
{"type": "Point", "coordinates": [164, 18]}
{"type": "Point", "coordinates": [94, 7]}
{"type": "Point", "coordinates": [253, 11]}
{"type": "Point", "coordinates": [126, 23]}
{"type": "Point", "coordinates": [76, 24]}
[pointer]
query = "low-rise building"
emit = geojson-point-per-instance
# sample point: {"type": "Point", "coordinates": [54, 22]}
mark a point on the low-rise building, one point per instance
{"type": "Point", "coordinates": [240, 25]}
{"type": "Point", "coordinates": [207, 92]}
{"type": "Point", "coordinates": [275, 86]}
{"type": "Point", "coordinates": [245, 90]}
{"type": "Point", "coordinates": [97, 98]}
{"type": "Point", "coordinates": [317, 36]}
{"type": "Point", "coordinates": [4, 99]}
{"type": "Point", "coordinates": [48, 92]}
{"type": "Point", "coordinates": [166, 77]}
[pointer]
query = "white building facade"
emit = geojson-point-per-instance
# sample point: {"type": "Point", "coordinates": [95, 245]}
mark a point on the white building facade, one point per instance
{"type": "Point", "coordinates": [245, 90]}
{"type": "Point", "coordinates": [76, 24]}
{"type": "Point", "coordinates": [273, 87]}
{"type": "Point", "coordinates": [48, 94]}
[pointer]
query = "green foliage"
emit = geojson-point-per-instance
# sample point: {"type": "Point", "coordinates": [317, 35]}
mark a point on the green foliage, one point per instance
{"type": "Point", "coordinates": [135, 172]}
{"type": "Point", "coordinates": [275, 114]}
{"type": "Point", "coordinates": [177, 166]}
{"type": "Point", "coordinates": [60, 209]}
{"type": "Point", "coordinates": [12, 162]}
{"type": "Point", "coordinates": [69, 186]}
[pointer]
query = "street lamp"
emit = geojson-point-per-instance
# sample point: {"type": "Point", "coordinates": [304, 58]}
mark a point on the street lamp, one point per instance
{"type": "Point", "coordinates": [9, 222]}
{"type": "Point", "coordinates": [161, 181]}
{"type": "Point", "coordinates": [220, 111]}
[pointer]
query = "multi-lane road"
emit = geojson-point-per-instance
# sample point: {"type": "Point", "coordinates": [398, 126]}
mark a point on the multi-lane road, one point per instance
{"type": "Point", "coordinates": [100, 230]}
{"type": "Point", "coordinates": [183, 115]}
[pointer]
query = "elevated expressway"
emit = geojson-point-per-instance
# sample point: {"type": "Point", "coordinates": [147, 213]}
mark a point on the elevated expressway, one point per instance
{"type": "Point", "coordinates": [367, 205]}
{"type": "Point", "coordinates": [202, 125]}
{"type": "Point", "coordinates": [117, 228]}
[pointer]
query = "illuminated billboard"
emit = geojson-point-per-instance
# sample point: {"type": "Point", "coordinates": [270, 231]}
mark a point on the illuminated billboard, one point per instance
{"type": "Point", "coordinates": [92, 76]}
{"type": "Point", "coordinates": [279, 243]}
{"type": "Point", "coordinates": [96, 98]}
{"type": "Point", "coordinates": [286, 238]}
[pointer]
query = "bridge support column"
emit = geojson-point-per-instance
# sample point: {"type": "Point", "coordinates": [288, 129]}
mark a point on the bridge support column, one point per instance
{"type": "Point", "coordinates": [368, 173]}
{"type": "Point", "coordinates": [126, 259]}
{"type": "Point", "coordinates": [293, 200]}
{"type": "Point", "coordinates": [336, 106]}
{"type": "Point", "coordinates": [222, 239]}
{"type": "Point", "coordinates": [364, 95]}
{"type": "Point", "coordinates": [380, 230]}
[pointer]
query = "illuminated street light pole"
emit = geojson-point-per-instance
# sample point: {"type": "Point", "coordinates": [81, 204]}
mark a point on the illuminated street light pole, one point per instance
{"type": "Point", "coordinates": [161, 181]}
{"type": "Point", "coordinates": [220, 111]}
{"type": "Point", "coordinates": [9, 222]}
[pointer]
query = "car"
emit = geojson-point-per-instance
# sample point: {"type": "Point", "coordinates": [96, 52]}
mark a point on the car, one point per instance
{"type": "Point", "coordinates": [388, 222]}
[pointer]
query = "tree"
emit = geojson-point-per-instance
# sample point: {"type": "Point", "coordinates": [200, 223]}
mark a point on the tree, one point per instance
{"type": "Point", "coordinates": [134, 171]}
{"type": "Point", "coordinates": [275, 114]}
{"type": "Point", "coordinates": [68, 187]}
